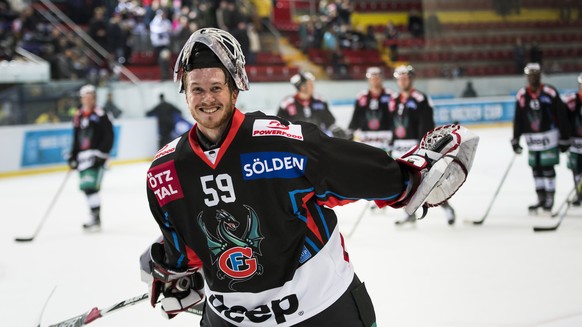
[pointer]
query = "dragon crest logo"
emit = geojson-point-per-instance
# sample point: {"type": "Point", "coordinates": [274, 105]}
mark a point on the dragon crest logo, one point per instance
{"type": "Point", "coordinates": [234, 249]}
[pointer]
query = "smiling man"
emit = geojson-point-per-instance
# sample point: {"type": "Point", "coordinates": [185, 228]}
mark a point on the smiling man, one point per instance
{"type": "Point", "coordinates": [245, 200]}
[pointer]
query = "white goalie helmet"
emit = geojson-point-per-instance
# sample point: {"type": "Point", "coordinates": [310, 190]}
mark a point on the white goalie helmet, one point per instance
{"type": "Point", "coordinates": [579, 79]}
{"type": "Point", "coordinates": [223, 45]}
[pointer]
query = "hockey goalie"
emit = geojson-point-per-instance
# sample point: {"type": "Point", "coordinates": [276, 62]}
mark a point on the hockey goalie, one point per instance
{"type": "Point", "coordinates": [245, 203]}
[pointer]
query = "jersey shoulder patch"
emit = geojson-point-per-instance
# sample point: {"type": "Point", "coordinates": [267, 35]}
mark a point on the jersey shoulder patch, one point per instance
{"type": "Point", "coordinates": [274, 127]}
{"type": "Point", "coordinates": [570, 101]}
{"type": "Point", "coordinates": [167, 149]}
{"type": "Point", "coordinates": [550, 90]}
{"type": "Point", "coordinates": [418, 96]}
{"type": "Point", "coordinates": [287, 101]}
{"type": "Point", "coordinates": [520, 93]}
{"type": "Point", "coordinates": [362, 93]}
{"type": "Point", "coordinates": [390, 92]}
{"type": "Point", "coordinates": [318, 97]}
{"type": "Point", "coordinates": [99, 111]}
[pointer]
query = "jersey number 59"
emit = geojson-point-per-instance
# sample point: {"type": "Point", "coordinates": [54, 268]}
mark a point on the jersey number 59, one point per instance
{"type": "Point", "coordinates": [217, 188]}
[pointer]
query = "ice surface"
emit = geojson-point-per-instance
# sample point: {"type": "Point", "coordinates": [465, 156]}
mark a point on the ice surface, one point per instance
{"type": "Point", "coordinates": [498, 274]}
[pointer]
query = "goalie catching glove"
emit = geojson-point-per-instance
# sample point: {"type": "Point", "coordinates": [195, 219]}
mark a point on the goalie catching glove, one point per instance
{"type": "Point", "coordinates": [439, 165]}
{"type": "Point", "coordinates": [181, 289]}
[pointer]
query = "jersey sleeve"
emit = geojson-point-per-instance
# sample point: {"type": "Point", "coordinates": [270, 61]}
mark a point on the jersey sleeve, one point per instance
{"type": "Point", "coordinates": [106, 143]}
{"type": "Point", "coordinates": [346, 171]}
{"type": "Point", "coordinates": [161, 177]}
{"type": "Point", "coordinates": [563, 118]}
{"type": "Point", "coordinates": [355, 122]}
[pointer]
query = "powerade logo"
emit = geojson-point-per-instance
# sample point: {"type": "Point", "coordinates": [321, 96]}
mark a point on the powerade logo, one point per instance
{"type": "Point", "coordinates": [272, 165]}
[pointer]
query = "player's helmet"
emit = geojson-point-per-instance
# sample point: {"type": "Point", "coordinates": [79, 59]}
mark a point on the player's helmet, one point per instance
{"type": "Point", "coordinates": [87, 89]}
{"type": "Point", "coordinates": [224, 46]}
{"type": "Point", "coordinates": [580, 78]}
{"type": "Point", "coordinates": [300, 78]}
{"type": "Point", "coordinates": [404, 69]}
{"type": "Point", "coordinates": [372, 71]}
{"type": "Point", "coordinates": [532, 68]}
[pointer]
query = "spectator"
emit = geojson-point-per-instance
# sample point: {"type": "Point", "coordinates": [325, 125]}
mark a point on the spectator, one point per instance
{"type": "Point", "coordinates": [330, 40]}
{"type": "Point", "coordinates": [160, 31]}
{"type": "Point", "coordinates": [519, 56]}
{"type": "Point", "coordinates": [535, 54]}
{"type": "Point", "coordinates": [240, 33]}
{"type": "Point", "coordinates": [98, 27]}
{"type": "Point", "coordinates": [433, 25]}
{"type": "Point", "coordinates": [391, 35]}
{"type": "Point", "coordinates": [415, 24]}
{"type": "Point", "coordinates": [227, 15]}
{"type": "Point", "coordinates": [166, 114]}
{"type": "Point", "coordinates": [254, 44]}
{"type": "Point", "coordinates": [344, 11]}
{"type": "Point", "coordinates": [469, 91]}
{"type": "Point", "coordinates": [110, 107]}
{"type": "Point", "coordinates": [116, 38]}
{"type": "Point", "coordinates": [165, 64]}
{"type": "Point", "coordinates": [370, 41]}
{"type": "Point", "coordinates": [48, 117]}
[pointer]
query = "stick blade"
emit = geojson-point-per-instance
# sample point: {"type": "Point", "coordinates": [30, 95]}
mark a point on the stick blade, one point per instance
{"type": "Point", "coordinates": [23, 239]}
{"type": "Point", "coordinates": [545, 229]}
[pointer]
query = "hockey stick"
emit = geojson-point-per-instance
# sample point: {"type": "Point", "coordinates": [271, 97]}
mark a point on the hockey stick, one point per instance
{"type": "Point", "coordinates": [366, 207]}
{"type": "Point", "coordinates": [96, 313]}
{"type": "Point", "coordinates": [564, 203]}
{"type": "Point", "coordinates": [480, 221]}
{"type": "Point", "coordinates": [568, 203]}
{"type": "Point", "coordinates": [54, 200]}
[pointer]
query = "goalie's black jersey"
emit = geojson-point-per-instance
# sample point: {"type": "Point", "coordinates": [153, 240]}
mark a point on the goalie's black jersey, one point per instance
{"type": "Point", "coordinates": [255, 214]}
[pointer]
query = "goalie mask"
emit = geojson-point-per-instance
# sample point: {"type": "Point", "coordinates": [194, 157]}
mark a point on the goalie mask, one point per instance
{"type": "Point", "coordinates": [212, 47]}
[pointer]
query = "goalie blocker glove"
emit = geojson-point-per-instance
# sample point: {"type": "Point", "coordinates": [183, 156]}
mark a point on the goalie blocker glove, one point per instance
{"type": "Point", "coordinates": [439, 165]}
{"type": "Point", "coordinates": [181, 289]}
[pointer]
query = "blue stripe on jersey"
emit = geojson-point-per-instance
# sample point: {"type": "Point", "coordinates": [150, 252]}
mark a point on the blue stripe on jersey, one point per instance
{"type": "Point", "coordinates": [323, 221]}
{"type": "Point", "coordinates": [328, 193]}
{"type": "Point", "coordinates": [294, 204]}
{"type": "Point", "coordinates": [175, 237]}
{"type": "Point", "coordinates": [312, 244]}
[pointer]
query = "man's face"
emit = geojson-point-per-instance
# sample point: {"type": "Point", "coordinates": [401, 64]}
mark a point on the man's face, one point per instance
{"type": "Point", "coordinates": [534, 79]}
{"type": "Point", "coordinates": [375, 81]}
{"type": "Point", "coordinates": [404, 82]}
{"type": "Point", "coordinates": [209, 99]}
{"type": "Point", "coordinates": [88, 101]}
{"type": "Point", "coordinates": [308, 87]}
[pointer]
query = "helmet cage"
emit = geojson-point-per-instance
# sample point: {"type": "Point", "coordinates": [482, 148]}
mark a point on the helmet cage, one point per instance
{"type": "Point", "coordinates": [224, 46]}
